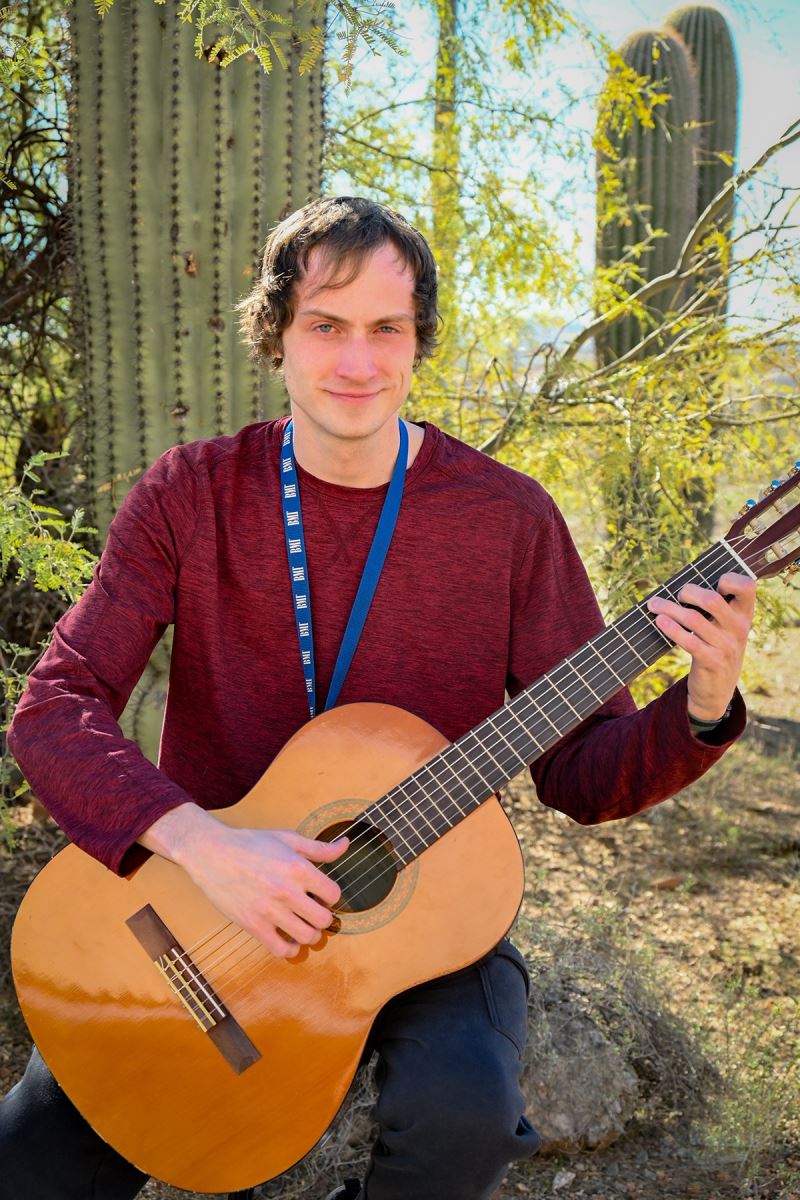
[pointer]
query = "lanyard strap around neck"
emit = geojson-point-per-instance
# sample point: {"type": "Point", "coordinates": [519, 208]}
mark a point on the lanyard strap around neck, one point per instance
{"type": "Point", "coordinates": [298, 567]}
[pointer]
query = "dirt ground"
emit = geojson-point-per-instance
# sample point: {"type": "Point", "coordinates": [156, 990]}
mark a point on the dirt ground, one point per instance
{"type": "Point", "coordinates": [704, 889]}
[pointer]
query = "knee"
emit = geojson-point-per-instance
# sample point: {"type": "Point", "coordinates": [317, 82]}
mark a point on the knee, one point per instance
{"type": "Point", "coordinates": [467, 1107]}
{"type": "Point", "coordinates": [480, 1103]}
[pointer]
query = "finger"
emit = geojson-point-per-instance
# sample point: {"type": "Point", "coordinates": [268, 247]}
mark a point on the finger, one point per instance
{"type": "Point", "coordinates": [318, 884]}
{"type": "Point", "coordinates": [275, 942]}
{"type": "Point", "coordinates": [743, 590]}
{"type": "Point", "coordinates": [701, 650]}
{"type": "Point", "coordinates": [735, 598]}
{"type": "Point", "coordinates": [298, 930]}
{"type": "Point", "coordinates": [316, 850]}
{"type": "Point", "coordinates": [673, 619]}
{"type": "Point", "coordinates": [313, 913]}
{"type": "Point", "coordinates": [712, 603]}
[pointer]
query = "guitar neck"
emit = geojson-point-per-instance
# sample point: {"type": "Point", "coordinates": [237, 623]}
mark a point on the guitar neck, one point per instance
{"type": "Point", "coordinates": [418, 811]}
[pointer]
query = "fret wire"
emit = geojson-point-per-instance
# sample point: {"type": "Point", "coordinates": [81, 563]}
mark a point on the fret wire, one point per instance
{"type": "Point", "coordinates": [393, 827]}
{"type": "Point", "coordinates": [415, 778]}
{"type": "Point", "coordinates": [582, 681]}
{"type": "Point", "coordinates": [529, 698]}
{"type": "Point", "coordinates": [635, 651]}
{"type": "Point", "coordinates": [473, 733]}
{"type": "Point", "coordinates": [604, 661]}
{"type": "Point", "coordinates": [459, 781]}
{"type": "Point", "coordinates": [557, 689]}
{"type": "Point", "coordinates": [510, 710]}
{"type": "Point", "coordinates": [513, 749]}
{"type": "Point", "coordinates": [428, 768]}
{"type": "Point", "coordinates": [418, 809]}
{"type": "Point", "coordinates": [569, 663]}
{"type": "Point", "coordinates": [637, 612]}
{"type": "Point", "coordinates": [486, 750]}
{"type": "Point", "coordinates": [460, 750]}
{"type": "Point", "coordinates": [487, 786]}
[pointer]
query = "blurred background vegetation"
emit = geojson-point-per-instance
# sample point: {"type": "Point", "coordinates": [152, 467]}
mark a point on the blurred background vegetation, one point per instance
{"type": "Point", "coordinates": [148, 148]}
{"type": "Point", "coordinates": [145, 151]}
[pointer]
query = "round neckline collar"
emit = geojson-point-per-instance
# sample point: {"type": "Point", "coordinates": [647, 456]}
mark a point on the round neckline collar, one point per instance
{"type": "Point", "coordinates": [345, 491]}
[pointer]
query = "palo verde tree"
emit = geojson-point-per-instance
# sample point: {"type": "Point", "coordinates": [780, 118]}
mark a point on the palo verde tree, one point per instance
{"type": "Point", "coordinates": [523, 382]}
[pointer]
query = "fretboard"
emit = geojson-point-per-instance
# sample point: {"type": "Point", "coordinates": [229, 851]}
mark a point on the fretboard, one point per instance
{"type": "Point", "coordinates": [422, 808]}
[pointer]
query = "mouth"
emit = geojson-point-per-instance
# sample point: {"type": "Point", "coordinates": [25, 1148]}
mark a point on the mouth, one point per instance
{"type": "Point", "coordinates": [353, 396]}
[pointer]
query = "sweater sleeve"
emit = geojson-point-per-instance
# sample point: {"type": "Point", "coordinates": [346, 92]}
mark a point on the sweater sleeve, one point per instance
{"type": "Point", "coordinates": [620, 760]}
{"type": "Point", "coordinates": [95, 782]}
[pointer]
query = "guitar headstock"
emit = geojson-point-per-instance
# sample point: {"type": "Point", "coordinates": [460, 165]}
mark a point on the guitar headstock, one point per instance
{"type": "Point", "coordinates": [766, 534]}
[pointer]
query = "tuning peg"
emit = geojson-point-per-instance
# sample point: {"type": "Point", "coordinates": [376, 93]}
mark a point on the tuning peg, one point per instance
{"type": "Point", "coordinates": [745, 509]}
{"type": "Point", "coordinates": [793, 470]}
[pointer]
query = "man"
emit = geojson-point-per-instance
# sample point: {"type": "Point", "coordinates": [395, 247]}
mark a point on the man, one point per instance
{"type": "Point", "coordinates": [481, 590]}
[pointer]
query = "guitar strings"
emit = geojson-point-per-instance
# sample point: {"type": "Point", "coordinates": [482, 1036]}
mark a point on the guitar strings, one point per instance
{"type": "Point", "coordinates": [247, 979]}
{"type": "Point", "coordinates": [367, 837]}
{"type": "Point", "coordinates": [530, 731]}
{"type": "Point", "coordinates": [370, 837]}
{"type": "Point", "coordinates": [638, 611]}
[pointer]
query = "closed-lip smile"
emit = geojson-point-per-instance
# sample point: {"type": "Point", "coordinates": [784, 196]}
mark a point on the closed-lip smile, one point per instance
{"type": "Point", "coordinates": [352, 395]}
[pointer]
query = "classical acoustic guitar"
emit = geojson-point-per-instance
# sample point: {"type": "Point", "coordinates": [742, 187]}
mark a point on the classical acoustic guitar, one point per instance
{"type": "Point", "coordinates": [213, 1065]}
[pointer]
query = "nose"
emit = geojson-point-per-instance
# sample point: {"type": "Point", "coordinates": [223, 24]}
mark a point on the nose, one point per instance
{"type": "Point", "coordinates": [356, 359]}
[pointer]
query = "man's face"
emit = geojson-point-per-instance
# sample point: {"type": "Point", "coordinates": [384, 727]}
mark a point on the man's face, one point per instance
{"type": "Point", "coordinates": [349, 351]}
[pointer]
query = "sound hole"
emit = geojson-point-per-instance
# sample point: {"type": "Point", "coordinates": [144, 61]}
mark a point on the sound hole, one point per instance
{"type": "Point", "coordinates": [366, 871]}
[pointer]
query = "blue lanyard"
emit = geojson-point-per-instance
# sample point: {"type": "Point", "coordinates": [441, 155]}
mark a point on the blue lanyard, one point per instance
{"type": "Point", "coordinates": [298, 567]}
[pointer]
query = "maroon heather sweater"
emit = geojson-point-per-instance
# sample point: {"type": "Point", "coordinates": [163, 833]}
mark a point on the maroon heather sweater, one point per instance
{"type": "Point", "coordinates": [482, 590]}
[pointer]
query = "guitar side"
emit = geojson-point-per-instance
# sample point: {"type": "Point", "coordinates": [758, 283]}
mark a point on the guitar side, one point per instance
{"type": "Point", "coordinates": [211, 1114]}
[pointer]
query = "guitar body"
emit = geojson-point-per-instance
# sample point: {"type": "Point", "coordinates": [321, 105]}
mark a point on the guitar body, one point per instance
{"type": "Point", "coordinates": [216, 1114]}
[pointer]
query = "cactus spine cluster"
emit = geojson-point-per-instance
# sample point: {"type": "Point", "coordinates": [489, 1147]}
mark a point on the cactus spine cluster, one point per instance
{"type": "Point", "coordinates": [178, 169]}
{"type": "Point", "coordinates": [656, 170]}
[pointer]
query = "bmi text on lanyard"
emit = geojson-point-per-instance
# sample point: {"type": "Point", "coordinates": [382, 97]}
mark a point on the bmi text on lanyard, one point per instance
{"type": "Point", "coordinates": [298, 567]}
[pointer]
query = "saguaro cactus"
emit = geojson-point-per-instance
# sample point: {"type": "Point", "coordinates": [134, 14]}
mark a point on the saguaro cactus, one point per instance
{"type": "Point", "coordinates": [178, 169]}
{"type": "Point", "coordinates": [656, 174]}
{"type": "Point", "coordinates": [708, 38]}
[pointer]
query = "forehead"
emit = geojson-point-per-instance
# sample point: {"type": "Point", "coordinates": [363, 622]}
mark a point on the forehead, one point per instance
{"type": "Point", "coordinates": [380, 272]}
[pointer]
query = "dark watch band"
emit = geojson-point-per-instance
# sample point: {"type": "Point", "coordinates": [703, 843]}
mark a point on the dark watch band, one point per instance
{"type": "Point", "coordinates": [704, 726]}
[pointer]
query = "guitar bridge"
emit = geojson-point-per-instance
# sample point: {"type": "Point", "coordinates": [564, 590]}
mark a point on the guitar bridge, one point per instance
{"type": "Point", "coordinates": [194, 991]}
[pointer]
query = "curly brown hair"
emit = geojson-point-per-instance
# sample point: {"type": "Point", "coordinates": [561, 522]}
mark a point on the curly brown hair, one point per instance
{"type": "Point", "coordinates": [349, 228]}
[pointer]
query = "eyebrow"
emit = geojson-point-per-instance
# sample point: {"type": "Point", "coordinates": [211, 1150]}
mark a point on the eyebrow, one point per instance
{"type": "Point", "coordinates": [392, 318]}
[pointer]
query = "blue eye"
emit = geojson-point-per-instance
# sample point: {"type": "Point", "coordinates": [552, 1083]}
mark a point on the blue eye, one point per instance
{"type": "Point", "coordinates": [323, 325]}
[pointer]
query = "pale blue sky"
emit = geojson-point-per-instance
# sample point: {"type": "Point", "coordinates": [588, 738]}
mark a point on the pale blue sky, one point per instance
{"type": "Point", "coordinates": [767, 43]}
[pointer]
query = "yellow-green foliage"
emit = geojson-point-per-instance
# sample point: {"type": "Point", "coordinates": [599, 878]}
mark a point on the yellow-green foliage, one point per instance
{"type": "Point", "coordinates": [37, 542]}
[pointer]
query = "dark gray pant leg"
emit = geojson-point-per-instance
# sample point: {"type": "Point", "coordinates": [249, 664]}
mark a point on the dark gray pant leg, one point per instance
{"type": "Point", "coordinates": [450, 1109]}
{"type": "Point", "coordinates": [49, 1152]}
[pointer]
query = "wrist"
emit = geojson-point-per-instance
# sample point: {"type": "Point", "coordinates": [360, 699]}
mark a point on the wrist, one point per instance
{"type": "Point", "coordinates": [704, 723]}
{"type": "Point", "coordinates": [176, 834]}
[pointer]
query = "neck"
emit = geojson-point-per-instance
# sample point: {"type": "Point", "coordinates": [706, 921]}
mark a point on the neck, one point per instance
{"type": "Point", "coordinates": [353, 462]}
